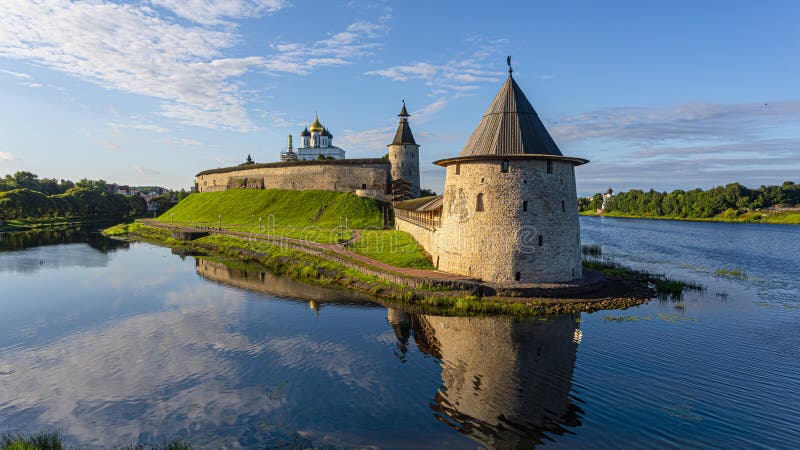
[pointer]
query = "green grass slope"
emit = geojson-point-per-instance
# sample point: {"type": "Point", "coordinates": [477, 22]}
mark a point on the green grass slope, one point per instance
{"type": "Point", "coordinates": [286, 207]}
{"type": "Point", "coordinates": [393, 247]}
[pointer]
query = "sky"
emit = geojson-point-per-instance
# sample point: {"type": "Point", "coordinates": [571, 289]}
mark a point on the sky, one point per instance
{"type": "Point", "coordinates": [663, 95]}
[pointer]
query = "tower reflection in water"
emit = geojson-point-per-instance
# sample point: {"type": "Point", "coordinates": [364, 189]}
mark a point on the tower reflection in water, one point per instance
{"type": "Point", "coordinates": [505, 382]}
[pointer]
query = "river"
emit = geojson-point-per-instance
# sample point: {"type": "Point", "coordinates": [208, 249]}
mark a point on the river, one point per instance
{"type": "Point", "coordinates": [113, 344]}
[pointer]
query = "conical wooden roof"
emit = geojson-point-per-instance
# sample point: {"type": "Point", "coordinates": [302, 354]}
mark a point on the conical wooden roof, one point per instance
{"type": "Point", "coordinates": [510, 127]}
{"type": "Point", "coordinates": [403, 134]}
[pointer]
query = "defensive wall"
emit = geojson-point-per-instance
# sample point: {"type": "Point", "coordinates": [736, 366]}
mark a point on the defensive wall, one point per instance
{"type": "Point", "coordinates": [367, 177]}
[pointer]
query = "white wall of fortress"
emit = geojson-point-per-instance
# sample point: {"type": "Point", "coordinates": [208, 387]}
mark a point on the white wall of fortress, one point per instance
{"type": "Point", "coordinates": [502, 240]}
{"type": "Point", "coordinates": [322, 175]}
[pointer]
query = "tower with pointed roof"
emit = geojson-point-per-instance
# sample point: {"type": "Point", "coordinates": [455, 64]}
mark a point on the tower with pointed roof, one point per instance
{"type": "Point", "coordinates": [404, 156]}
{"type": "Point", "coordinates": [510, 212]}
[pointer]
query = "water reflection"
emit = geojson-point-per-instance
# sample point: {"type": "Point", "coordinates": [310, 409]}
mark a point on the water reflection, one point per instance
{"type": "Point", "coordinates": [268, 283]}
{"type": "Point", "coordinates": [45, 249]}
{"type": "Point", "coordinates": [506, 383]}
{"type": "Point", "coordinates": [18, 240]}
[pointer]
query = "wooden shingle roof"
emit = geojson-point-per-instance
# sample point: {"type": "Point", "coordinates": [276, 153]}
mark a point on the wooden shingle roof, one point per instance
{"type": "Point", "coordinates": [510, 128]}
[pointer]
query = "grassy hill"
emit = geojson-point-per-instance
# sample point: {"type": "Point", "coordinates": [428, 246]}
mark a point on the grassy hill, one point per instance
{"type": "Point", "coordinates": [287, 208]}
{"type": "Point", "coordinates": [308, 215]}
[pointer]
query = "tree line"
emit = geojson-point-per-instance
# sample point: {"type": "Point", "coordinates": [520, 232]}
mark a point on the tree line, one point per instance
{"type": "Point", "coordinates": [25, 196]}
{"type": "Point", "coordinates": [697, 203]}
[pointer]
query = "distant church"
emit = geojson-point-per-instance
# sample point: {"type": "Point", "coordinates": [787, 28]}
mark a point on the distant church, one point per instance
{"type": "Point", "coordinates": [319, 165]}
{"type": "Point", "coordinates": [316, 142]}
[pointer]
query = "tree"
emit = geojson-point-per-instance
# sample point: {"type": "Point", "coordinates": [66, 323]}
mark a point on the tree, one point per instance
{"type": "Point", "coordinates": [426, 193]}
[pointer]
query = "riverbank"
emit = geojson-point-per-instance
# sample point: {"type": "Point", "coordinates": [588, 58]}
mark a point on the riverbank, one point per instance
{"type": "Point", "coordinates": [788, 217]}
{"type": "Point", "coordinates": [53, 223]}
{"type": "Point", "coordinates": [431, 291]}
{"type": "Point", "coordinates": [53, 441]}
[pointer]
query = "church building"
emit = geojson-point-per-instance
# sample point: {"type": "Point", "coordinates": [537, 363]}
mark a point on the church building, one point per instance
{"type": "Point", "coordinates": [316, 142]}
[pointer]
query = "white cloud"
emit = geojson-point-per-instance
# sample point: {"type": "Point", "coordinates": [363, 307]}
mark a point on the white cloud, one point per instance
{"type": "Point", "coordinates": [20, 75]}
{"type": "Point", "coordinates": [685, 121]}
{"type": "Point", "coordinates": [213, 11]}
{"type": "Point", "coordinates": [356, 41]}
{"type": "Point", "coordinates": [130, 48]}
{"type": "Point", "coordinates": [455, 76]}
{"type": "Point", "coordinates": [7, 157]}
{"type": "Point", "coordinates": [145, 171]}
{"type": "Point", "coordinates": [379, 137]}
{"type": "Point", "coordinates": [103, 142]}
{"type": "Point", "coordinates": [138, 123]}
{"type": "Point", "coordinates": [133, 48]}
{"type": "Point", "coordinates": [703, 144]}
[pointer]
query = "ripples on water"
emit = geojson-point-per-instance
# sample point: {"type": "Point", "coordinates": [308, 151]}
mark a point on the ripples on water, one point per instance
{"type": "Point", "coordinates": [115, 345]}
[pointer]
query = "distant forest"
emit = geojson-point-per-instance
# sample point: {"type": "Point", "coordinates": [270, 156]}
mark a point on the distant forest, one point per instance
{"type": "Point", "coordinates": [25, 196]}
{"type": "Point", "coordinates": [730, 200]}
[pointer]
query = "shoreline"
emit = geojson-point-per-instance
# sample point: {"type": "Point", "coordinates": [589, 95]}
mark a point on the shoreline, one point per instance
{"type": "Point", "coordinates": [624, 288]}
{"type": "Point", "coordinates": [685, 219]}
{"type": "Point", "coordinates": [10, 226]}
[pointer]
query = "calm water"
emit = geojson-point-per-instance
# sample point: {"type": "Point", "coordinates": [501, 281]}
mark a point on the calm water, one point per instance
{"type": "Point", "coordinates": [115, 344]}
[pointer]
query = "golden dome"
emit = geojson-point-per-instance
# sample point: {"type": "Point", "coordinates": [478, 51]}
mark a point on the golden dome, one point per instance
{"type": "Point", "coordinates": [316, 126]}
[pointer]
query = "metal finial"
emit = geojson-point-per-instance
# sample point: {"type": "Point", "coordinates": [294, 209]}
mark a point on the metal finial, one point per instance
{"type": "Point", "coordinates": [508, 61]}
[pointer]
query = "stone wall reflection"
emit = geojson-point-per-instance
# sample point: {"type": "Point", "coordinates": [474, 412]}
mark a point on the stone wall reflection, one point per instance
{"type": "Point", "coordinates": [268, 283]}
{"type": "Point", "coordinates": [505, 382]}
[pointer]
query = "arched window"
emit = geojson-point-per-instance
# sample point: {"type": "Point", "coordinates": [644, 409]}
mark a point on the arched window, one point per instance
{"type": "Point", "coordinates": [525, 206]}
{"type": "Point", "coordinates": [479, 203]}
{"type": "Point", "coordinates": [504, 166]}
{"type": "Point", "coordinates": [363, 186]}
{"type": "Point", "coordinates": [541, 240]}
{"type": "Point", "coordinates": [458, 169]}
{"type": "Point", "coordinates": [549, 166]}
{"type": "Point", "coordinates": [563, 207]}
{"type": "Point", "coordinates": [518, 275]}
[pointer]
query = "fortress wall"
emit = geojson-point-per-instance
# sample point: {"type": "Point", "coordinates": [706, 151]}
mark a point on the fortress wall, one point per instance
{"type": "Point", "coordinates": [424, 236]}
{"type": "Point", "coordinates": [503, 239]}
{"type": "Point", "coordinates": [340, 177]}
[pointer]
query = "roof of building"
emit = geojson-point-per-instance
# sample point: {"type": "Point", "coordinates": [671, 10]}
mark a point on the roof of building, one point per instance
{"type": "Point", "coordinates": [403, 134]}
{"type": "Point", "coordinates": [305, 132]}
{"type": "Point", "coordinates": [403, 112]}
{"type": "Point", "coordinates": [325, 132]}
{"type": "Point", "coordinates": [316, 126]}
{"type": "Point", "coordinates": [431, 203]}
{"type": "Point", "coordinates": [511, 127]}
{"type": "Point", "coordinates": [354, 162]}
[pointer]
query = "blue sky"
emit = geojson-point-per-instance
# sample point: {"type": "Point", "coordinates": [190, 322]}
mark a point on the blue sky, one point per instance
{"type": "Point", "coordinates": [656, 94]}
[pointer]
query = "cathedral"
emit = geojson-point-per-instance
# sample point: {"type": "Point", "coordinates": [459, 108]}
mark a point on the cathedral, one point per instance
{"type": "Point", "coordinates": [316, 142]}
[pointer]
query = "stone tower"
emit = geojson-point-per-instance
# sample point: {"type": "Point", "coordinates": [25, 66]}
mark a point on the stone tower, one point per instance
{"type": "Point", "coordinates": [510, 209]}
{"type": "Point", "coordinates": [404, 155]}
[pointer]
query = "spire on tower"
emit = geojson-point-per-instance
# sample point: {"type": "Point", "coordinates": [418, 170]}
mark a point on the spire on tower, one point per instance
{"type": "Point", "coordinates": [510, 70]}
{"type": "Point", "coordinates": [403, 112]}
{"type": "Point", "coordinates": [403, 134]}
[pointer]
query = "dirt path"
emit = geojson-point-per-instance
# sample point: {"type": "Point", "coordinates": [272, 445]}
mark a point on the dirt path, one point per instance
{"type": "Point", "coordinates": [336, 248]}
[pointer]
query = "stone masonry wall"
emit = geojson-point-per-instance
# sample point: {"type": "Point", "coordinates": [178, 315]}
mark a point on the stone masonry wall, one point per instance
{"type": "Point", "coordinates": [502, 240]}
{"type": "Point", "coordinates": [405, 165]}
{"type": "Point", "coordinates": [340, 177]}
{"type": "Point", "coordinates": [424, 236]}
